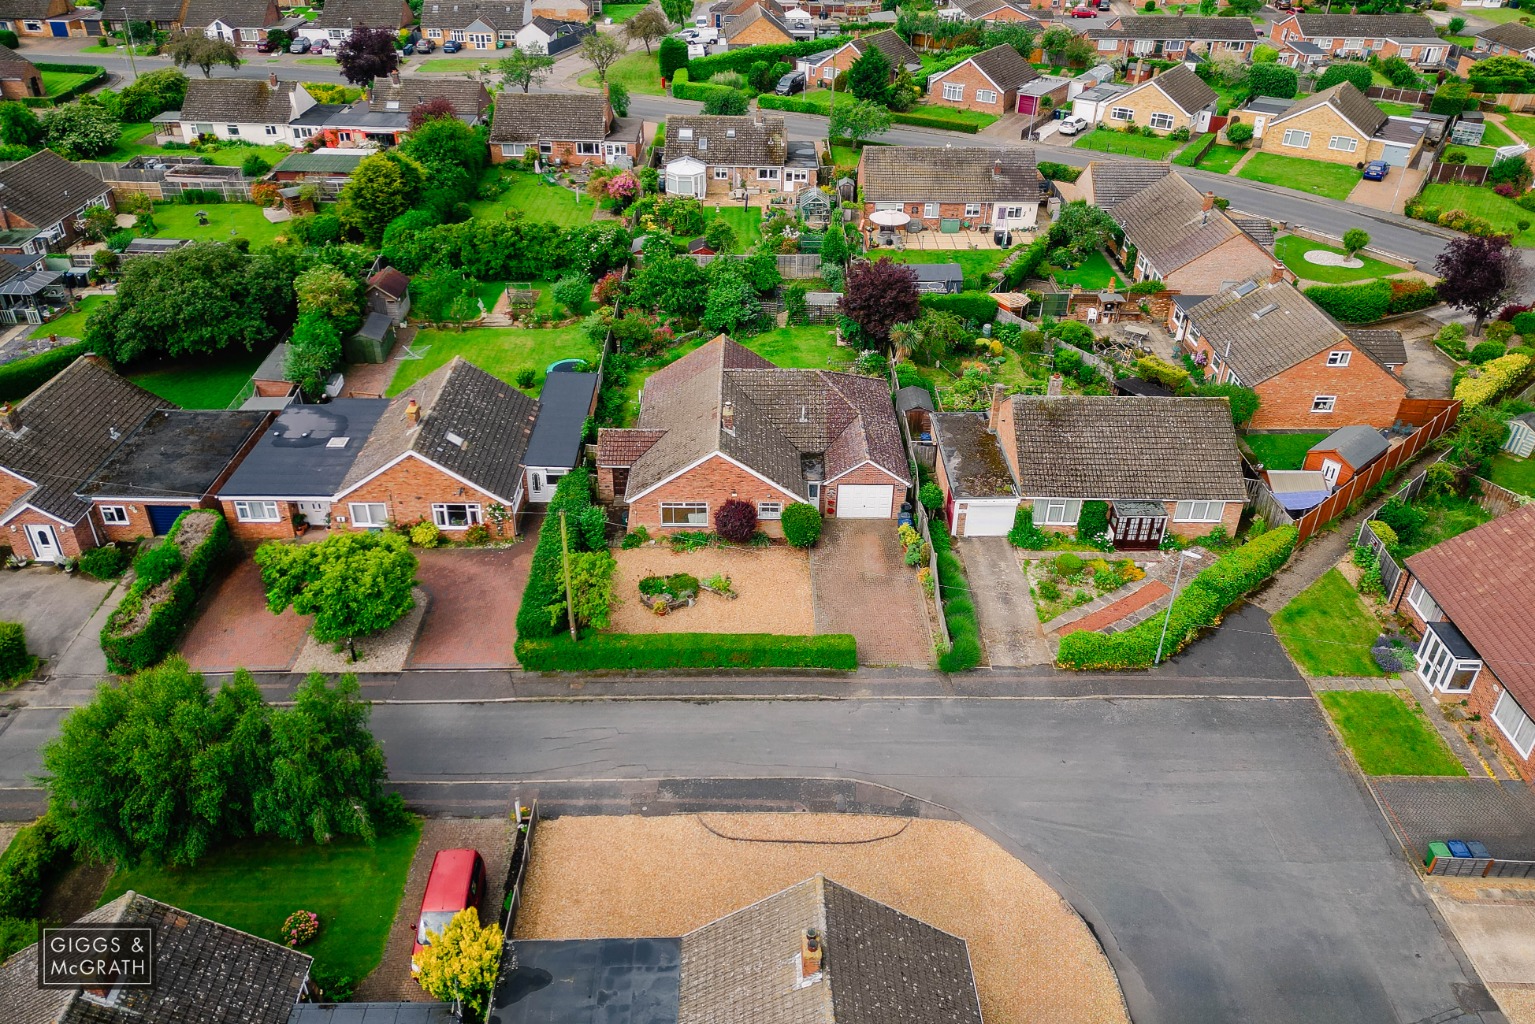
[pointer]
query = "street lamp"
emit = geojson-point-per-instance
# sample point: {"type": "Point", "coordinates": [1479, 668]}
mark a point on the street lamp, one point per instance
{"type": "Point", "coordinates": [1177, 576]}
{"type": "Point", "coordinates": [128, 24]}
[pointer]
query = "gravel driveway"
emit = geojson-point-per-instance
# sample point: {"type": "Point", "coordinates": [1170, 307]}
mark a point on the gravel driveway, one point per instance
{"type": "Point", "coordinates": [1009, 621]}
{"type": "Point", "coordinates": [774, 584]}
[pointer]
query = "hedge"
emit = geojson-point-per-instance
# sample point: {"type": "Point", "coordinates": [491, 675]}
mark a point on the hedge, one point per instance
{"type": "Point", "coordinates": [975, 306]}
{"type": "Point", "coordinates": [1052, 171]}
{"type": "Point", "coordinates": [1198, 606]}
{"type": "Point", "coordinates": [26, 866]}
{"type": "Point", "coordinates": [1524, 324]}
{"type": "Point", "coordinates": [934, 119]}
{"type": "Point", "coordinates": [24, 376]}
{"type": "Point", "coordinates": [1365, 303]}
{"type": "Point", "coordinates": [1027, 265]}
{"type": "Point", "coordinates": [704, 68]}
{"type": "Point", "coordinates": [129, 652]}
{"type": "Point", "coordinates": [15, 662]}
{"type": "Point", "coordinates": [1500, 377]}
{"type": "Point", "coordinates": [772, 101]}
{"type": "Point", "coordinates": [964, 651]}
{"type": "Point", "coordinates": [546, 584]}
{"type": "Point", "coordinates": [682, 90]}
{"type": "Point", "coordinates": [596, 652]}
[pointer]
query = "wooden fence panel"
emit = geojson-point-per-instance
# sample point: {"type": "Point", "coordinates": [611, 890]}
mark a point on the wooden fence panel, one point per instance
{"type": "Point", "coordinates": [1265, 504]}
{"type": "Point", "coordinates": [1390, 571]}
{"type": "Point", "coordinates": [921, 517]}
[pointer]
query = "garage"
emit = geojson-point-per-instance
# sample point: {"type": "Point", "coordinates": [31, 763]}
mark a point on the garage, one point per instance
{"type": "Point", "coordinates": [163, 517]}
{"type": "Point", "coordinates": [865, 501]}
{"type": "Point", "coordinates": [984, 518]}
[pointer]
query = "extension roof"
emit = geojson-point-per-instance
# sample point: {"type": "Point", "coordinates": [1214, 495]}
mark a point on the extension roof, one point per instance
{"type": "Point", "coordinates": [1365, 26]}
{"type": "Point", "coordinates": [1106, 448]}
{"type": "Point", "coordinates": [1348, 101]}
{"type": "Point", "coordinates": [1356, 445]}
{"type": "Point", "coordinates": [234, 13]}
{"type": "Point", "coordinates": [1114, 181]}
{"type": "Point", "coordinates": [1511, 34]}
{"type": "Point", "coordinates": [1264, 329]}
{"type": "Point", "coordinates": [68, 428]}
{"type": "Point", "coordinates": [13, 63]}
{"type": "Point", "coordinates": [390, 14]}
{"type": "Point", "coordinates": [1387, 347]}
{"type": "Point", "coordinates": [974, 465]}
{"type": "Point", "coordinates": [508, 15]}
{"type": "Point", "coordinates": [238, 101]}
{"type": "Point", "coordinates": [45, 188]}
{"type": "Point", "coordinates": [959, 175]}
{"type": "Point", "coordinates": [1184, 88]}
{"type": "Point", "coordinates": [529, 117]}
{"type": "Point", "coordinates": [563, 406]}
{"type": "Point", "coordinates": [895, 49]}
{"type": "Point", "coordinates": [295, 459]}
{"type": "Point", "coordinates": [175, 453]}
{"type": "Point", "coordinates": [1002, 64]}
{"type": "Point", "coordinates": [205, 973]}
{"type": "Point", "coordinates": [746, 140]}
{"type": "Point", "coordinates": [323, 163]}
{"type": "Point", "coordinates": [1168, 223]}
{"type": "Point", "coordinates": [1156, 26]}
{"type": "Point", "coordinates": [1481, 581]}
{"type": "Point", "coordinates": [879, 964]}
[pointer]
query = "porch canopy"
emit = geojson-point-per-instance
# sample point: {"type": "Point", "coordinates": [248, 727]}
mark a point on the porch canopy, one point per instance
{"type": "Point", "coordinates": [685, 176]}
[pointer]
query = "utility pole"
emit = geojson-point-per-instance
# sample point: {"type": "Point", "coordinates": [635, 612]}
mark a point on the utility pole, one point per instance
{"type": "Point", "coordinates": [570, 601]}
{"type": "Point", "coordinates": [128, 25]}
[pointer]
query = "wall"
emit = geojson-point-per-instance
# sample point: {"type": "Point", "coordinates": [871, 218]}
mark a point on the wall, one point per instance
{"type": "Point", "coordinates": [138, 518]}
{"type": "Point", "coordinates": [868, 474]}
{"type": "Point", "coordinates": [257, 532]}
{"type": "Point", "coordinates": [1323, 123]}
{"type": "Point", "coordinates": [409, 489]}
{"type": "Point", "coordinates": [72, 539]}
{"type": "Point", "coordinates": [972, 80]}
{"type": "Point", "coordinates": [715, 481]}
{"type": "Point", "coordinates": [956, 211]}
{"type": "Point", "coordinates": [566, 152]}
{"type": "Point", "coordinates": [1366, 394]}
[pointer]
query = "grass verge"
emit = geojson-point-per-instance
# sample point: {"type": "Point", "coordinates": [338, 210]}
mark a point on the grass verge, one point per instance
{"type": "Point", "coordinates": [1387, 737]}
{"type": "Point", "coordinates": [1150, 148]}
{"type": "Point", "coordinates": [1328, 630]}
{"type": "Point", "coordinates": [639, 72]}
{"type": "Point", "coordinates": [1505, 214]}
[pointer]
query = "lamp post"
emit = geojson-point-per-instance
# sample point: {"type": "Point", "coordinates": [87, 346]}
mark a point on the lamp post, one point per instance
{"type": "Point", "coordinates": [1177, 576]}
{"type": "Point", "coordinates": [128, 24]}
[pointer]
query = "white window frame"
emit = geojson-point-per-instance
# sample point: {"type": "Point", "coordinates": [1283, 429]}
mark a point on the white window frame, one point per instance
{"type": "Point", "coordinates": [828, 72]}
{"type": "Point", "coordinates": [1438, 667]}
{"type": "Point", "coordinates": [953, 91]}
{"type": "Point", "coordinates": [1417, 595]}
{"type": "Point", "coordinates": [514, 150]}
{"type": "Point", "coordinates": [1324, 403]}
{"type": "Point", "coordinates": [233, 130]}
{"type": "Point", "coordinates": [972, 209]}
{"type": "Point", "coordinates": [703, 143]}
{"type": "Point", "coordinates": [114, 515]}
{"type": "Point", "coordinates": [1121, 114]}
{"type": "Point", "coordinates": [1108, 45]}
{"type": "Point", "coordinates": [1162, 121]}
{"type": "Point", "coordinates": [441, 517]}
{"type": "Point", "coordinates": [257, 511]}
{"type": "Point", "coordinates": [767, 174]}
{"type": "Point", "coordinates": [696, 513]}
{"type": "Point", "coordinates": [1302, 135]}
{"type": "Point", "coordinates": [769, 510]}
{"type": "Point", "coordinates": [722, 174]}
{"type": "Point", "coordinates": [250, 34]}
{"type": "Point", "coordinates": [985, 96]}
{"type": "Point", "coordinates": [588, 149]}
{"type": "Point", "coordinates": [362, 513]}
{"type": "Point", "coordinates": [1010, 212]}
{"type": "Point", "coordinates": [1199, 512]}
{"type": "Point", "coordinates": [929, 210]}
{"type": "Point", "coordinates": [1343, 143]}
{"type": "Point", "coordinates": [1339, 358]}
{"type": "Point", "coordinates": [271, 129]}
{"type": "Point", "coordinates": [1521, 730]}
{"type": "Point", "coordinates": [1058, 511]}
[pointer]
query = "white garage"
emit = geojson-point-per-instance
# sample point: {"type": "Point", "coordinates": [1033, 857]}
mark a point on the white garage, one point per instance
{"type": "Point", "coordinates": [865, 501]}
{"type": "Point", "coordinates": [984, 518]}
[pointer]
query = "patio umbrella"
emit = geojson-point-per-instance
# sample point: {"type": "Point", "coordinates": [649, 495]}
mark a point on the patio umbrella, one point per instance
{"type": "Point", "coordinates": [889, 218]}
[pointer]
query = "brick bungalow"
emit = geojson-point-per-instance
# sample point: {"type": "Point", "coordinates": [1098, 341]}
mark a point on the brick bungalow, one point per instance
{"type": "Point", "coordinates": [987, 82]}
{"type": "Point", "coordinates": [1184, 241]}
{"type": "Point", "coordinates": [383, 115]}
{"type": "Point", "coordinates": [1308, 372]}
{"type": "Point", "coordinates": [979, 187]}
{"type": "Point", "coordinates": [1175, 98]}
{"type": "Point", "coordinates": [1302, 37]}
{"type": "Point", "coordinates": [339, 17]}
{"type": "Point", "coordinates": [568, 128]}
{"type": "Point", "coordinates": [164, 15]}
{"type": "Point", "coordinates": [1339, 125]}
{"type": "Point", "coordinates": [726, 11]}
{"type": "Point", "coordinates": [19, 78]}
{"type": "Point", "coordinates": [240, 22]}
{"type": "Point", "coordinates": [474, 26]}
{"type": "Point", "coordinates": [1172, 38]}
{"type": "Point", "coordinates": [1511, 38]}
{"type": "Point", "coordinates": [47, 194]}
{"type": "Point", "coordinates": [1343, 454]}
{"type": "Point", "coordinates": [1107, 183]}
{"type": "Point", "coordinates": [1469, 597]}
{"type": "Point", "coordinates": [757, 26]}
{"type": "Point", "coordinates": [716, 153]}
{"type": "Point", "coordinates": [824, 68]}
{"type": "Point", "coordinates": [723, 423]}
{"type": "Point", "coordinates": [263, 112]}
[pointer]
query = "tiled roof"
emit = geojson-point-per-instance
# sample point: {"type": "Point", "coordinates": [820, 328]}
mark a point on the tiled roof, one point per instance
{"type": "Point", "coordinates": [528, 117]}
{"type": "Point", "coordinates": [1358, 445]}
{"type": "Point", "coordinates": [508, 15]}
{"type": "Point", "coordinates": [1259, 229]}
{"type": "Point", "coordinates": [1186, 89]}
{"type": "Point", "coordinates": [149, 10]}
{"type": "Point", "coordinates": [972, 461]}
{"type": "Point", "coordinates": [68, 427]}
{"type": "Point", "coordinates": [878, 965]}
{"type": "Point", "coordinates": [1387, 347]}
{"type": "Point", "coordinates": [234, 13]}
{"type": "Point", "coordinates": [1114, 181]}
{"type": "Point", "coordinates": [1365, 26]}
{"type": "Point", "coordinates": [1348, 101]}
{"type": "Point", "coordinates": [471, 424]}
{"type": "Point", "coordinates": [1511, 34]}
{"type": "Point", "coordinates": [978, 9]}
{"type": "Point", "coordinates": [1165, 449]}
{"type": "Point", "coordinates": [1265, 331]}
{"type": "Point", "coordinates": [1169, 224]}
{"type": "Point", "coordinates": [13, 63]}
{"type": "Point", "coordinates": [390, 14]}
{"type": "Point", "coordinates": [620, 448]}
{"type": "Point", "coordinates": [959, 175]}
{"type": "Point", "coordinates": [1003, 65]}
{"type": "Point", "coordinates": [895, 49]}
{"type": "Point", "coordinates": [754, 14]}
{"type": "Point", "coordinates": [45, 188]}
{"type": "Point", "coordinates": [1481, 580]}
{"type": "Point", "coordinates": [468, 97]}
{"type": "Point", "coordinates": [747, 140]}
{"type": "Point", "coordinates": [205, 973]}
{"type": "Point", "coordinates": [238, 101]}
{"type": "Point", "coordinates": [1157, 26]}
{"type": "Point", "coordinates": [391, 282]}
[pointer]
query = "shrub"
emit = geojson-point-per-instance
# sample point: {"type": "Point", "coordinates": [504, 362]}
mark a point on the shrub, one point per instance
{"type": "Point", "coordinates": [1499, 331]}
{"type": "Point", "coordinates": [1049, 591]}
{"type": "Point", "coordinates": [1402, 518]}
{"type": "Point", "coordinates": [1347, 71]}
{"type": "Point", "coordinates": [1059, 172]}
{"type": "Point", "coordinates": [131, 644]}
{"type": "Point", "coordinates": [634, 538]}
{"type": "Point", "coordinates": [1487, 351]}
{"type": "Point", "coordinates": [33, 857]}
{"type": "Point", "coordinates": [545, 587]}
{"type": "Point", "coordinates": [526, 379]}
{"type": "Point", "coordinates": [1384, 531]}
{"type": "Point", "coordinates": [8, 39]}
{"type": "Point", "coordinates": [1498, 378]}
{"type": "Point", "coordinates": [1174, 378]}
{"type": "Point", "coordinates": [801, 524]}
{"type": "Point", "coordinates": [1524, 324]}
{"type": "Point", "coordinates": [1452, 339]}
{"type": "Point", "coordinates": [104, 563]}
{"type": "Point", "coordinates": [666, 651]}
{"type": "Point", "coordinates": [155, 565]}
{"type": "Point", "coordinates": [736, 521]}
{"type": "Point", "coordinates": [1352, 303]}
{"type": "Point", "coordinates": [254, 165]}
{"type": "Point", "coordinates": [1068, 564]}
{"type": "Point", "coordinates": [15, 662]}
{"type": "Point", "coordinates": [1239, 133]}
{"type": "Point", "coordinates": [1025, 534]}
{"type": "Point", "coordinates": [20, 378]}
{"type": "Point", "coordinates": [964, 651]}
{"type": "Point", "coordinates": [1093, 524]}
{"type": "Point", "coordinates": [980, 308]}
{"type": "Point", "coordinates": [300, 927]}
{"type": "Point", "coordinates": [931, 496]}
{"type": "Point", "coordinates": [425, 535]}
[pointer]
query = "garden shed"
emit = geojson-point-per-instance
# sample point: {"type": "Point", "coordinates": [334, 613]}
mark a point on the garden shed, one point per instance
{"type": "Point", "coordinates": [372, 342]}
{"type": "Point", "coordinates": [1521, 436]}
{"type": "Point", "coordinates": [685, 177]}
{"type": "Point", "coordinates": [822, 307]}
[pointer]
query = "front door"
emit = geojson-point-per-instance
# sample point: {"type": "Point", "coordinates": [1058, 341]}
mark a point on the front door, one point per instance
{"type": "Point", "coordinates": [1139, 532]}
{"type": "Point", "coordinates": [60, 28]}
{"type": "Point", "coordinates": [541, 484]}
{"type": "Point", "coordinates": [45, 543]}
{"type": "Point", "coordinates": [315, 513]}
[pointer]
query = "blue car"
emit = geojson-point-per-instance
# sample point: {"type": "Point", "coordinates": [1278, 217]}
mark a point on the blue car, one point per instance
{"type": "Point", "coordinates": [1376, 170]}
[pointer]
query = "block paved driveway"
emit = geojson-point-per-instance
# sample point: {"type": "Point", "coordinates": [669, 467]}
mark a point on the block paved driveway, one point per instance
{"type": "Point", "coordinates": [860, 585]}
{"type": "Point", "coordinates": [471, 621]}
{"type": "Point", "coordinates": [234, 629]}
{"type": "Point", "coordinates": [1427, 810]}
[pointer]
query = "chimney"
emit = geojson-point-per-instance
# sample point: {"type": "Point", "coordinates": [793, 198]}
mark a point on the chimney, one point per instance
{"type": "Point", "coordinates": [1140, 69]}
{"type": "Point", "coordinates": [10, 418]}
{"type": "Point", "coordinates": [394, 77]}
{"type": "Point", "coordinates": [996, 170]}
{"type": "Point", "coordinates": [1053, 389]}
{"type": "Point", "coordinates": [1209, 203]}
{"type": "Point", "coordinates": [728, 415]}
{"type": "Point", "coordinates": [810, 951]}
{"type": "Point", "coordinates": [998, 396]}
{"type": "Point", "coordinates": [1276, 275]}
{"type": "Point", "coordinates": [271, 80]}
{"type": "Point", "coordinates": [413, 413]}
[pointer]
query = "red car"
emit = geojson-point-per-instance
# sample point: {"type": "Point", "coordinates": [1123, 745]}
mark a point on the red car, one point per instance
{"type": "Point", "coordinates": [1083, 12]}
{"type": "Point", "coordinates": [456, 880]}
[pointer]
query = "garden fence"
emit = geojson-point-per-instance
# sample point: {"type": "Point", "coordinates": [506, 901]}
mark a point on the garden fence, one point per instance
{"type": "Point", "coordinates": [1390, 571]}
{"type": "Point", "coordinates": [1464, 173]}
{"type": "Point", "coordinates": [798, 266]}
{"type": "Point", "coordinates": [1392, 94]}
{"type": "Point", "coordinates": [1266, 505]}
{"type": "Point", "coordinates": [522, 852]}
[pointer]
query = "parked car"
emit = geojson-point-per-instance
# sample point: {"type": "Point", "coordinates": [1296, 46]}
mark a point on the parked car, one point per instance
{"type": "Point", "coordinates": [299, 46]}
{"type": "Point", "coordinates": [1073, 124]}
{"type": "Point", "coordinates": [452, 46]}
{"type": "Point", "coordinates": [791, 83]}
{"type": "Point", "coordinates": [425, 46]}
{"type": "Point", "coordinates": [1103, 5]}
{"type": "Point", "coordinates": [319, 45]}
{"type": "Point", "coordinates": [1376, 170]}
{"type": "Point", "coordinates": [265, 46]}
{"type": "Point", "coordinates": [1083, 12]}
{"type": "Point", "coordinates": [455, 883]}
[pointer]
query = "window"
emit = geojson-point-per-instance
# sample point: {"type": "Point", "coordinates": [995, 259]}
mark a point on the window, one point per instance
{"type": "Point", "coordinates": [769, 510]}
{"type": "Point", "coordinates": [1323, 403]}
{"type": "Point", "coordinates": [1516, 725]}
{"type": "Point", "coordinates": [588, 149]}
{"type": "Point", "coordinates": [972, 209]}
{"type": "Point", "coordinates": [985, 96]}
{"type": "Point", "coordinates": [114, 515]}
{"type": "Point", "coordinates": [456, 517]}
{"type": "Point", "coordinates": [1297, 138]}
{"type": "Point", "coordinates": [250, 34]}
{"type": "Point", "coordinates": [953, 91]}
{"type": "Point", "coordinates": [271, 129]}
{"type": "Point", "coordinates": [458, 35]}
{"type": "Point", "coordinates": [1121, 114]}
{"type": "Point", "coordinates": [1058, 511]}
{"type": "Point", "coordinates": [372, 513]}
{"type": "Point", "coordinates": [256, 511]}
{"type": "Point", "coordinates": [1162, 121]}
{"type": "Point", "coordinates": [767, 174]}
{"type": "Point", "coordinates": [514, 149]}
{"type": "Point", "coordinates": [828, 71]}
{"type": "Point", "coordinates": [721, 173]}
{"type": "Point", "coordinates": [930, 210]}
{"type": "Point", "coordinates": [1422, 603]}
{"type": "Point", "coordinates": [34, 26]}
{"type": "Point", "coordinates": [1108, 44]}
{"type": "Point", "coordinates": [545, 148]}
{"type": "Point", "coordinates": [305, 133]}
{"type": "Point", "coordinates": [1343, 143]}
{"type": "Point", "coordinates": [233, 129]}
{"type": "Point", "coordinates": [684, 513]}
{"type": "Point", "coordinates": [1011, 212]}
{"type": "Point", "coordinates": [684, 134]}
{"type": "Point", "coordinates": [1338, 358]}
{"type": "Point", "coordinates": [1199, 511]}
{"type": "Point", "coordinates": [703, 144]}
{"type": "Point", "coordinates": [1353, 44]}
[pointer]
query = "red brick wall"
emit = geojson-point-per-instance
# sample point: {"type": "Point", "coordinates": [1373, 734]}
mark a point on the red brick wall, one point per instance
{"type": "Point", "coordinates": [969, 76]}
{"type": "Point", "coordinates": [869, 474]}
{"type": "Point", "coordinates": [1231, 518]}
{"type": "Point", "coordinates": [945, 211]}
{"type": "Point", "coordinates": [256, 532]}
{"type": "Point", "coordinates": [138, 519]}
{"type": "Point", "coordinates": [72, 539]}
{"type": "Point", "coordinates": [714, 482]}
{"type": "Point", "coordinates": [566, 151]}
{"type": "Point", "coordinates": [410, 488]}
{"type": "Point", "coordinates": [22, 88]}
{"type": "Point", "coordinates": [841, 60]}
{"type": "Point", "coordinates": [1366, 394]}
{"type": "Point", "coordinates": [11, 488]}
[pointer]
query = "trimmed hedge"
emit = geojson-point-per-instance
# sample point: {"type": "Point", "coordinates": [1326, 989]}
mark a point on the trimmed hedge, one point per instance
{"type": "Point", "coordinates": [975, 306]}
{"type": "Point", "coordinates": [97, 72]}
{"type": "Point", "coordinates": [29, 861]}
{"type": "Point", "coordinates": [772, 101]}
{"type": "Point", "coordinates": [1499, 377]}
{"type": "Point", "coordinates": [695, 91]}
{"type": "Point", "coordinates": [24, 376]}
{"type": "Point", "coordinates": [702, 69]}
{"type": "Point", "coordinates": [964, 651]}
{"type": "Point", "coordinates": [15, 662]}
{"type": "Point", "coordinates": [934, 119]}
{"type": "Point", "coordinates": [546, 582]}
{"type": "Point", "coordinates": [157, 637]}
{"type": "Point", "coordinates": [1052, 171]}
{"type": "Point", "coordinates": [1198, 606]}
{"type": "Point", "coordinates": [596, 652]}
{"type": "Point", "coordinates": [1365, 303]}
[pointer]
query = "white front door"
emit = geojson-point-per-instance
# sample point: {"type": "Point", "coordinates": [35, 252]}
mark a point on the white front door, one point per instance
{"type": "Point", "coordinates": [1330, 470]}
{"type": "Point", "coordinates": [542, 482]}
{"type": "Point", "coordinates": [315, 513]}
{"type": "Point", "coordinates": [45, 544]}
{"type": "Point", "coordinates": [865, 501]}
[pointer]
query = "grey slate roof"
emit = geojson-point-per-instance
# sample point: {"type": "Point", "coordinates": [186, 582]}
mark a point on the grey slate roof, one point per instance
{"type": "Point", "coordinates": [1168, 224]}
{"type": "Point", "coordinates": [174, 454]}
{"type": "Point", "coordinates": [975, 466]}
{"type": "Point", "coordinates": [1186, 89]}
{"type": "Point", "coordinates": [529, 117]}
{"type": "Point", "coordinates": [1387, 347]}
{"type": "Point", "coordinates": [294, 460]}
{"type": "Point", "coordinates": [563, 405]}
{"type": "Point", "coordinates": [507, 15]}
{"type": "Point", "coordinates": [879, 965]}
{"type": "Point", "coordinates": [375, 1013]}
{"type": "Point", "coordinates": [390, 14]}
{"type": "Point", "coordinates": [1348, 101]}
{"type": "Point", "coordinates": [1259, 229]}
{"type": "Point", "coordinates": [1365, 26]}
{"type": "Point", "coordinates": [959, 175]}
{"type": "Point", "coordinates": [67, 429]}
{"type": "Point", "coordinates": [1358, 445]}
{"type": "Point", "coordinates": [1165, 449]}
{"type": "Point", "coordinates": [747, 140]}
{"type": "Point", "coordinates": [493, 420]}
{"type": "Point", "coordinates": [1114, 181]}
{"type": "Point", "coordinates": [45, 188]}
{"type": "Point", "coordinates": [1260, 346]}
{"type": "Point", "coordinates": [1511, 34]}
{"type": "Point", "coordinates": [469, 98]}
{"type": "Point", "coordinates": [1158, 26]}
{"type": "Point", "coordinates": [1003, 65]}
{"type": "Point", "coordinates": [895, 49]}
{"type": "Point", "coordinates": [148, 10]}
{"type": "Point", "coordinates": [205, 973]}
{"type": "Point", "coordinates": [234, 13]}
{"type": "Point", "coordinates": [13, 63]}
{"type": "Point", "coordinates": [238, 101]}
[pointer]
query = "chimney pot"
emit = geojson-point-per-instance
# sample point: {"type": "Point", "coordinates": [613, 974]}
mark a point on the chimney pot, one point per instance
{"type": "Point", "coordinates": [810, 952]}
{"type": "Point", "coordinates": [394, 76]}
{"type": "Point", "coordinates": [413, 413]}
{"type": "Point", "coordinates": [728, 415]}
{"type": "Point", "coordinates": [10, 418]}
{"type": "Point", "coordinates": [1209, 203]}
{"type": "Point", "coordinates": [271, 79]}
{"type": "Point", "coordinates": [1054, 387]}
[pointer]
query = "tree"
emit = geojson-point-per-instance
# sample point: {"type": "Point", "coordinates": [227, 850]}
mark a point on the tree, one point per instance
{"type": "Point", "coordinates": [18, 125]}
{"type": "Point", "coordinates": [1243, 400]}
{"type": "Point", "coordinates": [451, 155]}
{"type": "Point", "coordinates": [441, 294]}
{"type": "Point", "coordinates": [572, 291]}
{"type": "Point", "coordinates": [1054, 42]}
{"type": "Point", "coordinates": [601, 52]}
{"type": "Point", "coordinates": [1479, 274]}
{"type": "Point", "coordinates": [869, 77]}
{"type": "Point", "coordinates": [354, 584]}
{"type": "Point", "coordinates": [1355, 239]}
{"type": "Point", "coordinates": [677, 11]}
{"type": "Point", "coordinates": [382, 187]}
{"type": "Point", "coordinates": [938, 334]}
{"type": "Point", "coordinates": [731, 301]}
{"type": "Point", "coordinates": [727, 102]}
{"type": "Point", "coordinates": [1015, 34]}
{"type": "Point", "coordinates": [1079, 51]}
{"type": "Point", "coordinates": [647, 26]}
{"type": "Point", "coordinates": [459, 964]}
{"type": "Point", "coordinates": [618, 99]}
{"type": "Point", "coordinates": [834, 245]}
{"type": "Point", "coordinates": [366, 54]}
{"type": "Point", "coordinates": [736, 520]}
{"type": "Point", "coordinates": [669, 284]}
{"type": "Point", "coordinates": [437, 106]}
{"type": "Point", "coordinates": [314, 352]}
{"type": "Point", "coordinates": [1239, 133]}
{"type": "Point", "coordinates": [858, 120]}
{"type": "Point", "coordinates": [197, 50]}
{"type": "Point", "coordinates": [99, 223]}
{"type": "Point", "coordinates": [1456, 25]}
{"type": "Point", "coordinates": [673, 56]}
{"type": "Point", "coordinates": [1272, 80]}
{"type": "Point", "coordinates": [524, 68]}
{"type": "Point", "coordinates": [82, 130]}
{"type": "Point", "coordinates": [877, 296]}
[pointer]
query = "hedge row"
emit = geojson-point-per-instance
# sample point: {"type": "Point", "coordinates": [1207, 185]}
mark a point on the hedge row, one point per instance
{"type": "Point", "coordinates": [129, 652]}
{"type": "Point", "coordinates": [24, 376]}
{"type": "Point", "coordinates": [15, 662]}
{"type": "Point", "coordinates": [546, 586]}
{"type": "Point", "coordinates": [702, 69]}
{"type": "Point", "coordinates": [99, 75]}
{"type": "Point", "coordinates": [977, 306]}
{"type": "Point", "coordinates": [934, 119]}
{"type": "Point", "coordinates": [1368, 302]}
{"type": "Point", "coordinates": [1499, 378]}
{"type": "Point", "coordinates": [772, 101]}
{"type": "Point", "coordinates": [964, 651]}
{"type": "Point", "coordinates": [1198, 606]}
{"type": "Point", "coordinates": [26, 867]}
{"type": "Point", "coordinates": [682, 90]}
{"type": "Point", "coordinates": [596, 652]}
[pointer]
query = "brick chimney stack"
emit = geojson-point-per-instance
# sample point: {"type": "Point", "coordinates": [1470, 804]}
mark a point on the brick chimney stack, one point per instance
{"type": "Point", "coordinates": [1209, 203]}
{"type": "Point", "coordinates": [996, 169]}
{"type": "Point", "coordinates": [1276, 275]}
{"type": "Point", "coordinates": [413, 413]}
{"type": "Point", "coordinates": [10, 418]}
{"type": "Point", "coordinates": [394, 76]}
{"type": "Point", "coordinates": [728, 415]}
{"type": "Point", "coordinates": [1053, 389]}
{"type": "Point", "coordinates": [271, 79]}
{"type": "Point", "coordinates": [810, 951]}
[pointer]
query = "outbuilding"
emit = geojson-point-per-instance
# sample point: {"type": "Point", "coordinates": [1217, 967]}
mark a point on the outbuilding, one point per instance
{"type": "Point", "coordinates": [1343, 454]}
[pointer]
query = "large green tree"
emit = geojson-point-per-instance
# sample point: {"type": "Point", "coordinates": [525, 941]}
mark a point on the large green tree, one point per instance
{"type": "Point", "coordinates": [198, 51]}
{"type": "Point", "coordinates": [81, 131]}
{"type": "Point", "coordinates": [523, 68]}
{"type": "Point", "coordinates": [382, 187]}
{"type": "Point", "coordinates": [869, 77]}
{"type": "Point", "coordinates": [329, 291]}
{"type": "Point", "coordinates": [314, 352]}
{"type": "Point", "coordinates": [858, 120]}
{"type": "Point", "coordinates": [354, 584]}
{"type": "Point", "coordinates": [18, 125]}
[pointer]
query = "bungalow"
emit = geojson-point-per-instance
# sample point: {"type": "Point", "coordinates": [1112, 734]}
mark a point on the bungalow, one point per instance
{"type": "Point", "coordinates": [757, 26]}
{"type": "Point", "coordinates": [1412, 37]}
{"type": "Point", "coordinates": [723, 13]}
{"type": "Point", "coordinates": [896, 51]}
{"type": "Point", "coordinates": [1107, 183]}
{"type": "Point", "coordinates": [1308, 372]}
{"type": "Point", "coordinates": [723, 423]}
{"type": "Point", "coordinates": [566, 128]}
{"type": "Point", "coordinates": [164, 15]}
{"type": "Point", "coordinates": [1344, 454]}
{"type": "Point", "coordinates": [339, 17]}
{"type": "Point", "coordinates": [382, 117]}
{"type": "Point", "coordinates": [475, 26]}
{"type": "Point", "coordinates": [1181, 239]}
{"type": "Point", "coordinates": [1175, 98]}
{"type": "Point", "coordinates": [988, 82]}
{"type": "Point", "coordinates": [19, 77]}
{"type": "Point", "coordinates": [980, 189]}
{"type": "Point", "coordinates": [542, 35]}
{"type": "Point", "coordinates": [1172, 38]}
{"type": "Point", "coordinates": [250, 110]}
{"type": "Point", "coordinates": [1339, 125]}
{"type": "Point", "coordinates": [716, 154]}
{"type": "Point", "coordinates": [1469, 597]}
{"type": "Point", "coordinates": [993, 12]}
{"type": "Point", "coordinates": [48, 195]}
{"type": "Point", "coordinates": [564, 10]}
{"type": "Point", "coordinates": [1510, 38]}
{"type": "Point", "coordinates": [241, 22]}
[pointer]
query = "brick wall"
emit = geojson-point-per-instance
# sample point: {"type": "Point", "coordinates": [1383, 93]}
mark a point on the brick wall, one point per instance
{"type": "Point", "coordinates": [138, 525]}
{"type": "Point", "coordinates": [713, 482]}
{"type": "Point", "coordinates": [841, 60]}
{"type": "Point", "coordinates": [72, 539]}
{"type": "Point", "coordinates": [761, 32]}
{"type": "Point", "coordinates": [410, 488]}
{"type": "Point", "coordinates": [566, 152]}
{"type": "Point", "coordinates": [27, 86]}
{"type": "Point", "coordinates": [1231, 518]}
{"type": "Point", "coordinates": [257, 532]}
{"type": "Point", "coordinates": [1366, 394]}
{"type": "Point", "coordinates": [1323, 123]}
{"type": "Point", "coordinates": [970, 78]}
{"type": "Point", "coordinates": [11, 488]}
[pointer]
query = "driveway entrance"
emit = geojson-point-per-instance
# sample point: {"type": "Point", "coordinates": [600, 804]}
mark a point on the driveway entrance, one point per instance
{"type": "Point", "coordinates": [1010, 631]}
{"type": "Point", "coordinates": [860, 585]}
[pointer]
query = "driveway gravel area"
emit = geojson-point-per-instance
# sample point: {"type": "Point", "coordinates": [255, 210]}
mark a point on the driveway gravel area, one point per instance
{"type": "Point", "coordinates": [774, 584]}
{"type": "Point", "coordinates": [471, 617]}
{"type": "Point", "coordinates": [1034, 958]}
{"type": "Point", "coordinates": [863, 587]}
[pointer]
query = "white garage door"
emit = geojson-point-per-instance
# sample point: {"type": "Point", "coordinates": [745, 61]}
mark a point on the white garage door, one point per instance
{"type": "Point", "coordinates": [988, 520]}
{"type": "Point", "coordinates": [864, 501]}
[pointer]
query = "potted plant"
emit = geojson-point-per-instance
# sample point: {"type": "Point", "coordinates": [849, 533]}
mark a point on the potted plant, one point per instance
{"type": "Point", "coordinates": [300, 524]}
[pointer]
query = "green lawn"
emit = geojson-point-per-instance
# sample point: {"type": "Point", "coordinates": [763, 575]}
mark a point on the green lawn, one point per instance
{"type": "Point", "coordinates": [620, 13]}
{"type": "Point", "coordinates": [1092, 275]}
{"type": "Point", "coordinates": [1292, 249]}
{"type": "Point", "coordinates": [537, 200]}
{"type": "Point", "coordinates": [130, 146]}
{"type": "Point", "coordinates": [1387, 737]}
{"type": "Point", "coordinates": [1448, 516]}
{"type": "Point", "coordinates": [1104, 141]}
{"type": "Point", "coordinates": [974, 263]}
{"type": "Point", "coordinates": [500, 351]}
{"type": "Point", "coordinates": [1515, 474]}
{"type": "Point", "coordinates": [1476, 156]}
{"type": "Point", "coordinates": [70, 325]}
{"type": "Point", "coordinates": [745, 222]}
{"type": "Point", "coordinates": [1505, 214]}
{"type": "Point", "coordinates": [1221, 159]}
{"type": "Point", "coordinates": [1282, 451]}
{"type": "Point", "coordinates": [844, 156]}
{"type": "Point", "coordinates": [55, 82]}
{"type": "Point", "coordinates": [1396, 109]}
{"type": "Point", "coordinates": [1335, 181]}
{"type": "Point", "coordinates": [225, 221]}
{"type": "Point", "coordinates": [639, 72]}
{"type": "Point", "coordinates": [1499, 15]}
{"type": "Point", "coordinates": [1522, 125]}
{"type": "Point", "coordinates": [255, 885]}
{"type": "Point", "coordinates": [202, 383]}
{"type": "Point", "coordinates": [810, 347]}
{"type": "Point", "coordinates": [453, 65]}
{"type": "Point", "coordinates": [1328, 630]}
{"type": "Point", "coordinates": [1495, 137]}
{"type": "Point", "coordinates": [318, 62]}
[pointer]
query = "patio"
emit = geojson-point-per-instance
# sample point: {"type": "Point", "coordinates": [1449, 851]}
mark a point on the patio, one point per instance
{"type": "Point", "coordinates": [938, 240]}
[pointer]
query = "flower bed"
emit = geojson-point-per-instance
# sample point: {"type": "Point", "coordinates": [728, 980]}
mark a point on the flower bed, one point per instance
{"type": "Point", "coordinates": [1068, 581]}
{"type": "Point", "coordinates": [158, 607]}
